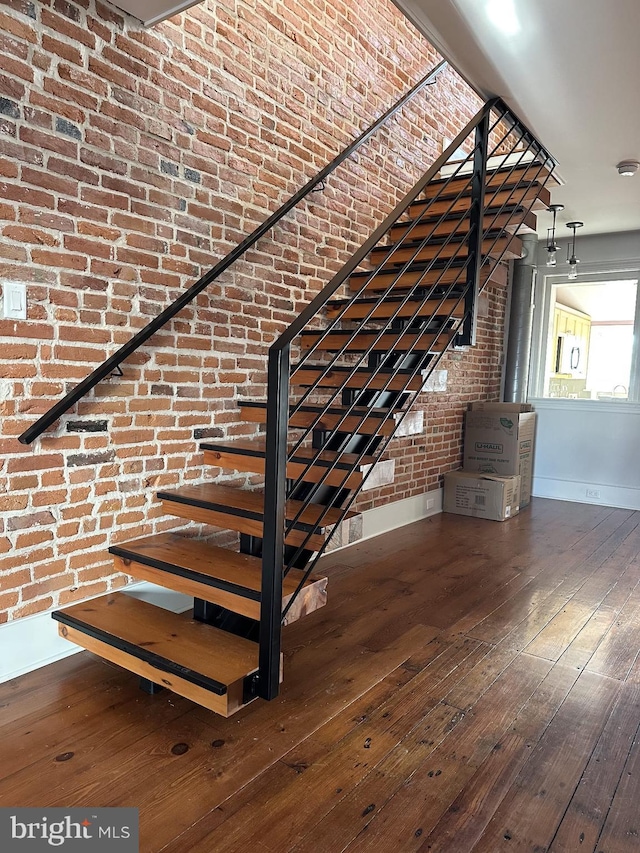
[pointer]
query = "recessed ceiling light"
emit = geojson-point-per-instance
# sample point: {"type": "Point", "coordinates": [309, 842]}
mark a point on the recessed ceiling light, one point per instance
{"type": "Point", "coordinates": [503, 15]}
{"type": "Point", "coordinates": [627, 167]}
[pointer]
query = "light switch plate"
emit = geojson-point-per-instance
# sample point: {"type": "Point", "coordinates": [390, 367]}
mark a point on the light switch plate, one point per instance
{"type": "Point", "coordinates": [15, 300]}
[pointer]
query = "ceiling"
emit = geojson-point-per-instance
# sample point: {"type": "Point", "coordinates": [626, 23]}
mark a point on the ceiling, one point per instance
{"type": "Point", "coordinates": [570, 70]}
{"type": "Point", "coordinates": [603, 301]}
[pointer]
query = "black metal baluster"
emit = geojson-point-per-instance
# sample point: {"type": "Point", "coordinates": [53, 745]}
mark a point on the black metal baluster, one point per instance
{"type": "Point", "coordinates": [274, 521]}
{"type": "Point", "coordinates": [467, 336]}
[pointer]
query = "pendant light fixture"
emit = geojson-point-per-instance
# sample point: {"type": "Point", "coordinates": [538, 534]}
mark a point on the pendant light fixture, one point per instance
{"type": "Point", "coordinates": [573, 261]}
{"type": "Point", "coordinates": [552, 247]}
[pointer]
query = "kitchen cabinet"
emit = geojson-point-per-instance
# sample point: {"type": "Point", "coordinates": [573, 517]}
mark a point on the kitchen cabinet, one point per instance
{"type": "Point", "coordinates": [570, 343]}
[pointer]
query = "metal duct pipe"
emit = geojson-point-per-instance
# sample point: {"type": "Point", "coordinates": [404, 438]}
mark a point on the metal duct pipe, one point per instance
{"type": "Point", "coordinates": [520, 322]}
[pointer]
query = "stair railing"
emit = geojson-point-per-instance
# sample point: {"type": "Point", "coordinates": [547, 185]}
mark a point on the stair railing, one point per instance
{"type": "Point", "coordinates": [408, 350]}
{"type": "Point", "coordinates": [372, 346]}
{"type": "Point", "coordinates": [112, 364]}
{"type": "Point", "coordinates": [451, 274]}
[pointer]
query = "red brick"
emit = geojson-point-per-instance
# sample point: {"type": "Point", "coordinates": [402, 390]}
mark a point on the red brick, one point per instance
{"type": "Point", "coordinates": [62, 49]}
{"type": "Point", "coordinates": [67, 28]}
{"type": "Point", "coordinates": [7, 212]}
{"type": "Point", "coordinates": [104, 199]}
{"type": "Point", "coordinates": [58, 106]}
{"type": "Point", "coordinates": [30, 235]}
{"type": "Point", "coordinates": [63, 260]}
{"type": "Point", "coordinates": [45, 219]}
{"type": "Point", "coordinates": [33, 607]}
{"type": "Point", "coordinates": [138, 235]}
{"type": "Point", "coordinates": [16, 68]}
{"type": "Point", "coordinates": [70, 93]}
{"type": "Point", "coordinates": [22, 29]}
{"type": "Point", "coordinates": [92, 248]}
{"type": "Point", "coordinates": [94, 229]}
{"type": "Point", "coordinates": [13, 46]}
{"type": "Point", "coordinates": [82, 79]}
{"type": "Point", "coordinates": [47, 181]}
{"type": "Point", "coordinates": [83, 592]}
{"type": "Point", "coordinates": [26, 195]}
{"type": "Point", "coordinates": [73, 170]}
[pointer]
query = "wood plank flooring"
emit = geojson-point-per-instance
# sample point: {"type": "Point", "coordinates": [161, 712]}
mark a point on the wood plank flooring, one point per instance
{"type": "Point", "coordinates": [470, 686]}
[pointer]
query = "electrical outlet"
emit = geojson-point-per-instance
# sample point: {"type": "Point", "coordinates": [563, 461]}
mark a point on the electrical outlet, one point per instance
{"type": "Point", "coordinates": [430, 503]}
{"type": "Point", "coordinates": [593, 493]}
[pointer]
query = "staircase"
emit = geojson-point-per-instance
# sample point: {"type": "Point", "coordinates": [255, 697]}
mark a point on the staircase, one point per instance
{"type": "Point", "coordinates": [341, 380]}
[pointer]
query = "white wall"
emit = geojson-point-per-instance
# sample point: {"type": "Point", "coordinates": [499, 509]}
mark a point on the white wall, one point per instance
{"type": "Point", "coordinates": [582, 444]}
{"type": "Point", "coordinates": [596, 252]}
{"type": "Point", "coordinates": [585, 445]}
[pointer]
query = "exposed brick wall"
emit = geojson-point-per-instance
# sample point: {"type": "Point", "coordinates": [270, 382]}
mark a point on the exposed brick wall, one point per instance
{"type": "Point", "coordinates": [130, 161]}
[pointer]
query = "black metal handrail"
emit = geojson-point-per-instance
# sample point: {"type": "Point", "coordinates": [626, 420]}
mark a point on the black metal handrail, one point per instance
{"type": "Point", "coordinates": [278, 409]}
{"type": "Point", "coordinates": [113, 362]}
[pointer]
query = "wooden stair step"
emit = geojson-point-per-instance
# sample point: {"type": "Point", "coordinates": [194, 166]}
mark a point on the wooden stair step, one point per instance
{"type": "Point", "coordinates": [388, 341]}
{"type": "Point", "coordinates": [243, 510]}
{"type": "Point", "coordinates": [514, 220]}
{"type": "Point", "coordinates": [201, 570]}
{"type": "Point", "coordinates": [507, 178]}
{"type": "Point", "coordinates": [367, 282]}
{"type": "Point", "coordinates": [416, 306]}
{"type": "Point", "coordinates": [311, 465]}
{"type": "Point", "coordinates": [533, 197]}
{"type": "Point", "coordinates": [198, 661]}
{"type": "Point", "coordinates": [506, 246]}
{"type": "Point", "coordinates": [339, 377]}
{"type": "Point", "coordinates": [360, 421]}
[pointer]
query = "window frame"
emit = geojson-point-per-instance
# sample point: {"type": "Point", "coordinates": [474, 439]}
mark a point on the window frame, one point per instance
{"type": "Point", "coordinates": [546, 280]}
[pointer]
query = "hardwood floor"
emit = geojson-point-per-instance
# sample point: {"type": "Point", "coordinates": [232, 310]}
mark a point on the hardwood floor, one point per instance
{"type": "Point", "coordinates": [471, 686]}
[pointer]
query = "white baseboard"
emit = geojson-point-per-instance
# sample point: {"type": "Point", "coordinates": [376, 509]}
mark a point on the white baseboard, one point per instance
{"type": "Point", "coordinates": [621, 497]}
{"type": "Point", "coordinates": [382, 519]}
{"type": "Point", "coordinates": [30, 643]}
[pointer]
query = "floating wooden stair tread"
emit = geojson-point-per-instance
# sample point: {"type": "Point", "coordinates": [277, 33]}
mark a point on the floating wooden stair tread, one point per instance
{"type": "Point", "coordinates": [534, 196]}
{"type": "Point", "coordinates": [224, 577]}
{"type": "Point", "coordinates": [367, 281]}
{"type": "Point", "coordinates": [493, 246]}
{"type": "Point", "coordinates": [361, 341]}
{"type": "Point", "coordinates": [506, 178]}
{"type": "Point", "coordinates": [359, 421]}
{"type": "Point", "coordinates": [339, 377]}
{"type": "Point", "coordinates": [243, 510]}
{"type": "Point", "coordinates": [512, 219]}
{"type": "Point", "coordinates": [249, 455]}
{"type": "Point", "coordinates": [164, 647]}
{"type": "Point", "coordinates": [416, 306]}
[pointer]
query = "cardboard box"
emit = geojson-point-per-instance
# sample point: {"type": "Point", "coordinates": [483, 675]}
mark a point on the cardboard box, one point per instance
{"type": "Point", "coordinates": [481, 495]}
{"type": "Point", "coordinates": [501, 442]}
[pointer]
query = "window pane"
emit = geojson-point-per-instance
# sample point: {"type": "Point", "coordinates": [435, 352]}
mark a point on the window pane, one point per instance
{"type": "Point", "coordinates": [590, 340]}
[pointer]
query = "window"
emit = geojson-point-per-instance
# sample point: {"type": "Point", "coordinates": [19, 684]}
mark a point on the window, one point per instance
{"type": "Point", "coordinates": [588, 338]}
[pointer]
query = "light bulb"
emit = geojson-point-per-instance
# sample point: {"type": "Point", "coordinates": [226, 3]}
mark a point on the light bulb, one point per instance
{"type": "Point", "coordinates": [573, 268]}
{"type": "Point", "coordinates": [552, 252]}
